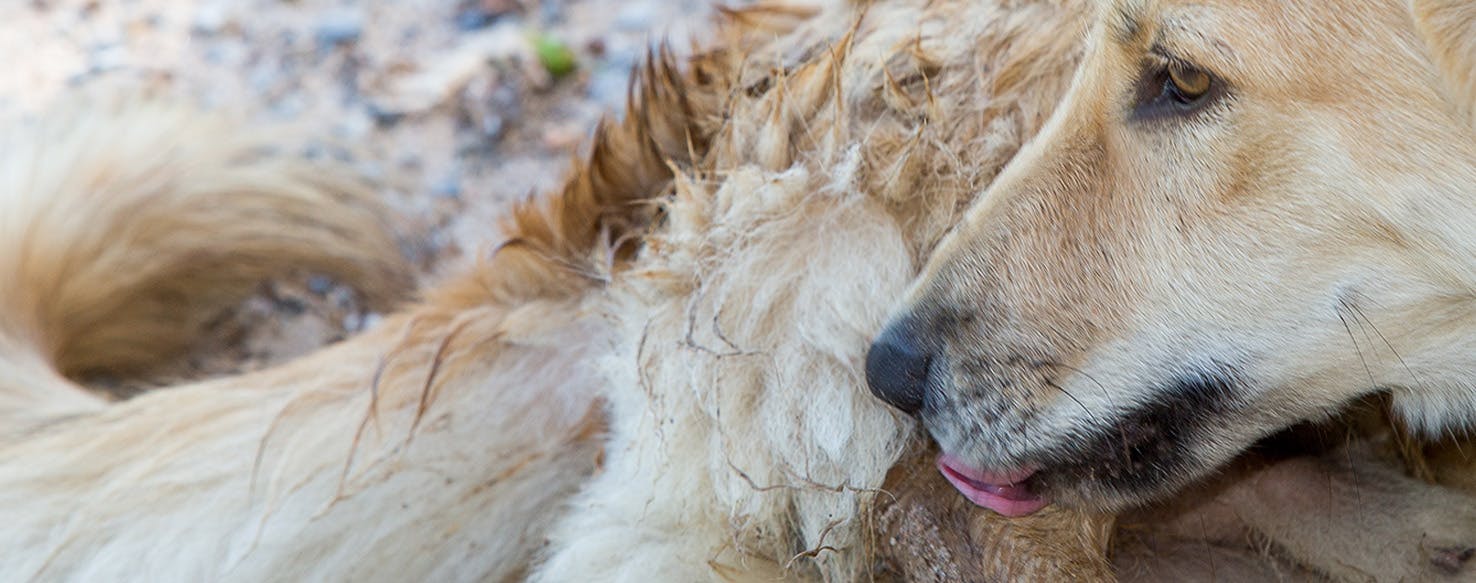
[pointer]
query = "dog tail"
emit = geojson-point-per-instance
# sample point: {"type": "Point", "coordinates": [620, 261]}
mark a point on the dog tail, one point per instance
{"type": "Point", "coordinates": [573, 239]}
{"type": "Point", "coordinates": [126, 223]}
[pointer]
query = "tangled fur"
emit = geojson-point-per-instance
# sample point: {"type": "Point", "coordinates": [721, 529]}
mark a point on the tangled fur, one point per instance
{"type": "Point", "coordinates": [654, 377]}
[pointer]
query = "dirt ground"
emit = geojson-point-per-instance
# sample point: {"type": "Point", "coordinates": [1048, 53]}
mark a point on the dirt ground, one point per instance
{"type": "Point", "coordinates": [454, 107]}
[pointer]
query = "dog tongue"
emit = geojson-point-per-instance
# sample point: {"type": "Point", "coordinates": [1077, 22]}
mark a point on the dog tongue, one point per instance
{"type": "Point", "coordinates": [1002, 493]}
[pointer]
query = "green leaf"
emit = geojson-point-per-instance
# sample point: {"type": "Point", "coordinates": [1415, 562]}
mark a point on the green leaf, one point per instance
{"type": "Point", "coordinates": [555, 56]}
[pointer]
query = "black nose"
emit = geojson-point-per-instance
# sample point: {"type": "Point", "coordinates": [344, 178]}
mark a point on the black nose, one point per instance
{"type": "Point", "coordinates": [897, 368]}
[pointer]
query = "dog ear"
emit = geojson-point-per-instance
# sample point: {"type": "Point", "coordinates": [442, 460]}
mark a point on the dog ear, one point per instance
{"type": "Point", "coordinates": [1449, 28]}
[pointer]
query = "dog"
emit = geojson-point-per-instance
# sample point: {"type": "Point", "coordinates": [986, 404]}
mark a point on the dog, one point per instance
{"type": "Point", "coordinates": [1229, 226]}
{"type": "Point", "coordinates": [658, 374]}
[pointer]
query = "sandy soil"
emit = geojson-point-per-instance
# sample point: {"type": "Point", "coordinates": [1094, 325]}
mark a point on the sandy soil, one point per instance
{"type": "Point", "coordinates": [448, 104]}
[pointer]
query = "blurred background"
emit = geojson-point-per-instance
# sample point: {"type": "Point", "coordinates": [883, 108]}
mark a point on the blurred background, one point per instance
{"type": "Point", "coordinates": [453, 107]}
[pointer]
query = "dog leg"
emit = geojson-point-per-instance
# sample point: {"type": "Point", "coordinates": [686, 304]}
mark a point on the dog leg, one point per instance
{"type": "Point", "coordinates": [1355, 517]}
{"type": "Point", "coordinates": [1349, 515]}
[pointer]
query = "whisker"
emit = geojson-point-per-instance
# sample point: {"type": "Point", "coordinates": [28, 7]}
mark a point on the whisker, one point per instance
{"type": "Point", "coordinates": [1385, 340]}
{"type": "Point", "coordinates": [1102, 387]}
{"type": "Point", "coordinates": [1456, 441]}
{"type": "Point", "coordinates": [1409, 448]}
{"type": "Point", "coordinates": [1357, 348]}
{"type": "Point", "coordinates": [1073, 398]}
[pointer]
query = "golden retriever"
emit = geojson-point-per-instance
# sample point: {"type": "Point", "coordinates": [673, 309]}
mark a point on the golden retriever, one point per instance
{"type": "Point", "coordinates": [659, 373]}
{"type": "Point", "coordinates": [1243, 215]}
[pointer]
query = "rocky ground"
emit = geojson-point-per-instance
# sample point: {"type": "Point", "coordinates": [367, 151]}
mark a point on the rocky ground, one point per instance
{"type": "Point", "coordinates": [455, 107]}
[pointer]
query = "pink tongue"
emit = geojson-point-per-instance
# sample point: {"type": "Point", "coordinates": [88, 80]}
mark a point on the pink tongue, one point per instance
{"type": "Point", "coordinates": [1001, 493]}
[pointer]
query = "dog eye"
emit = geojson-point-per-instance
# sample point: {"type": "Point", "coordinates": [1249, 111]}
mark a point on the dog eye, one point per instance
{"type": "Point", "coordinates": [1188, 85]}
{"type": "Point", "coordinates": [1174, 89]}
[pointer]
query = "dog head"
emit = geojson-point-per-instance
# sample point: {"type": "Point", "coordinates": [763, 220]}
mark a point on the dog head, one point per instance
{"type": "Point", "coordinates": [1242, 215]}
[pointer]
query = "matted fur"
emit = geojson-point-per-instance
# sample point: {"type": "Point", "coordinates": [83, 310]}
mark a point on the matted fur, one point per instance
{"type": "Point", "coordinates": [655, 377]}
{"type": "Point", "coordinates": [738, 434]}
{"type": "Point", "coordinates": [352, 461]}
{"type": "Point", "coordinates": [437, 445]}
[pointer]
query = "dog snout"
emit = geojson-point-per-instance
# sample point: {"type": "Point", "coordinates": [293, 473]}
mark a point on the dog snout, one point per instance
{"type": "Point", "coordinates": [897, 367]}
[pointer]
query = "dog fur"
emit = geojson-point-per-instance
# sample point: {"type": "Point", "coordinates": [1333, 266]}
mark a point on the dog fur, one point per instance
{"type": "Point", "coordinates": [1104, 282]}
{"type": "Point", "coordinates": [655, 376]}
{"type": "Point", "coordinates": [1158, 282]}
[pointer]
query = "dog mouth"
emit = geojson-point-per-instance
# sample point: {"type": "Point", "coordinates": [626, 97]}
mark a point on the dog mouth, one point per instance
{"type": "Point", "coordinates": [1006, 493]}
{"type": "Point", "coordinates": [1193, 422]}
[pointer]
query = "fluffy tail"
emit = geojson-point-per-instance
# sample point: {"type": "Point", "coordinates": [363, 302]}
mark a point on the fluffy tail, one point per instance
{"type": "Point", "coordinates": [125, 223]}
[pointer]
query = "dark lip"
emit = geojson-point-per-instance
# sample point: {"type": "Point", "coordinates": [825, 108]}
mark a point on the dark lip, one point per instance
{"type": "Point", "coordinates": [1134, 456]}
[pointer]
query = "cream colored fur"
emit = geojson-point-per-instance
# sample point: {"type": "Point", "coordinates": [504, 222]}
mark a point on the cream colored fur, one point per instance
{"type": "Point", "coordinates": [742, 444]}
{"type": "Point", "coordinates": [292, 473]}
{"type": "Point", "coordinates": [125, 223]}
{"type": "Point", "coordinates": [1298, 211]}
{"type": "Point", "coordinates": [654, 378]}
{"type": "Point", "coordinates": [1166, 276]}
{"type": "Point", "coordinates": [110, 211]}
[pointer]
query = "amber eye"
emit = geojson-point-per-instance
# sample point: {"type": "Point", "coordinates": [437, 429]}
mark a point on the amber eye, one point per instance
{"type": "Point", "coordinates": [1189, 84]}
{"type": "Point", "coordinates": [1172, 87]}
